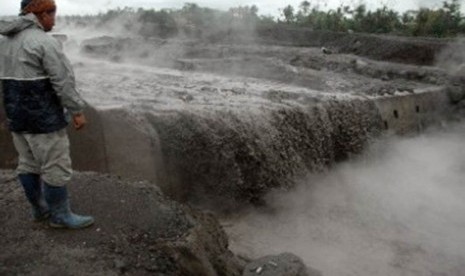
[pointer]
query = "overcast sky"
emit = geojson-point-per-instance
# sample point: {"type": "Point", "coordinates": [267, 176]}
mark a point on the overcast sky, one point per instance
{"type": "Point", "coordinates": [266, 7]}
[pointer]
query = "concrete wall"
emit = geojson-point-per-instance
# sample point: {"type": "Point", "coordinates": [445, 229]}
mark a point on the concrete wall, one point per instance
{"type": "Point", "coordinates": [409, 113]}
{"type": "Point", "coordinates": [117, 142]}
{"type": "Point", "coordinates": [114, 141]}
{"type": "Point", "coordinates": [122, 143]}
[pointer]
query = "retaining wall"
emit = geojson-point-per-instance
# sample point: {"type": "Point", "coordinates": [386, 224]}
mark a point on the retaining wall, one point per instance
{"type": "Point", "coordinates": [408, 113]}
{"type": "Point", "coordinates": [122, 143]}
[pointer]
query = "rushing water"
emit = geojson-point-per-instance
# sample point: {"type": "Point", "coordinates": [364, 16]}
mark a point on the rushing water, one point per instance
{"type": "Point", "coordinates": [230, 140]}
{"type": "Point", "coordinates": [398, 209]}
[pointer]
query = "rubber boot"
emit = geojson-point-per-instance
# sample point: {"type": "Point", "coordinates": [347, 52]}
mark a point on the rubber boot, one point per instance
{"type": "Point", "coordinates": [33, 190]}
{"type": "Point", "coordinates": [61, 214]}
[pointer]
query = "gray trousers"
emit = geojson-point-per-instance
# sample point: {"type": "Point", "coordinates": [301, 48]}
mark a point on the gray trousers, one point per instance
{"type": "Point", "coordinates": [45, 154]}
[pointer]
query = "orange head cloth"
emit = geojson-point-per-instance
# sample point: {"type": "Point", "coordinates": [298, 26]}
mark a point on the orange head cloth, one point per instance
{"type": "Point", "coordinates": [39, 6]}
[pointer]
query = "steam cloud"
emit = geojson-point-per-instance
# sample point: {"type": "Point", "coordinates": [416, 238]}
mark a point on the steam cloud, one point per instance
{"type": "Point", "coordinates": [452, 58]}
{"type": "Point", "coordinates": [397, 210]}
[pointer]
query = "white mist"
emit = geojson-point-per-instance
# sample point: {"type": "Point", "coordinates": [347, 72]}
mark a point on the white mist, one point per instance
{"type": "Point", "coordinates": [399, 209]}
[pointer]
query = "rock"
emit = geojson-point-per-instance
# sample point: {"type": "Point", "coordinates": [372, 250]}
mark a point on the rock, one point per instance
{"type": "Point", "coordinates": [356, 46]}
{"type": "Point", "coordinates": [326, 51]}
{"type": "Point", "coordinates": [120, 265]}
{"type": "Point", "coordinates": [432, 79]}
{"type": "Point", "coordinates": [285, 264]}
{"type": "Point", "coordinates": [360, 64]}
{"type": "Point", "coordinates": [406, 89]}
{"type": "Point", "coordinates": [184, 65]}
{"type": "Point", "coordinates": [456, 93]}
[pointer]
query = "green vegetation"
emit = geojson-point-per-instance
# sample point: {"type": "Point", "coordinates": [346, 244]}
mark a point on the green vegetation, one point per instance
{"type": "Point", "coordinates": [443, 22]}
{"type": "Point", "coordinates": [195, 21]}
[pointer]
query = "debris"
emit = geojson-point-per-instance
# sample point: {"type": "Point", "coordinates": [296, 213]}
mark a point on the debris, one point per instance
{"type": "Point", "coordinates": [238, 90]}
{"type": "Point", "coordinates": [406, 89]}
{"type": "Point", "coordinates": [359, 64]}
{"type": "Point", "coordinates": [273, 263]}
{"type": "Point", "coordinates": [120, 265]}
{"type": "Point", "coordinates": [385, 77]}
{"type": "Point", "coordinates": [326, 51]}
{"type": "Point", "coordinates": [187, 98]}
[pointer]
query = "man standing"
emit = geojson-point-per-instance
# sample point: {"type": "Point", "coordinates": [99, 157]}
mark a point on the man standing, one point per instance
{"type": "Point", "coordinates": [40, 97]}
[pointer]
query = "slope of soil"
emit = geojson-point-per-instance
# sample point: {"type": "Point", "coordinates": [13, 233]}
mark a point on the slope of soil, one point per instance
{"type": "Point", "coordinates": [137, 231]}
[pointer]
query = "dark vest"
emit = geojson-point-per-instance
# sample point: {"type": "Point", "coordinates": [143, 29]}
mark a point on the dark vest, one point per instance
{"type": "Point", "coordinates": [32, 106]}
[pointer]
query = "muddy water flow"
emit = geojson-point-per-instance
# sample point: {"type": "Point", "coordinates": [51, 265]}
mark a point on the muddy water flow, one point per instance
{"type": "Point", "coordinates": [393, 210]}
{"type": "Point", "coordinates": [232, 139]}
{"type": "Point", "coordinates": [266, 126]}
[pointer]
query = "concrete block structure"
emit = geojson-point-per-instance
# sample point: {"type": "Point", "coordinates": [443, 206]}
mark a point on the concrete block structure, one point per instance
{"type": "Point", "coordinates": [123, 143]}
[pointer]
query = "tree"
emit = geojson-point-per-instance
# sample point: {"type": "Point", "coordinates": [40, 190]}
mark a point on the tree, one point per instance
{"type": "Point", "coordinates": [157, 23]}
{"type": "Point", "coordinates": [305, 7]}
{"type": "Point", "coordinates": [440, 23]}
{"type": "Point", "coordinates": [245, 13]}
{"type": "Point", "coordinates": [288, 13]}
{"type": "Point", "coordinates": [200, 22]}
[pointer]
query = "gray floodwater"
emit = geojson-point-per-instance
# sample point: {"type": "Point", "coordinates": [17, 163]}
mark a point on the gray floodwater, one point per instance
{"type": "Point", "coordinates": [397, 209]}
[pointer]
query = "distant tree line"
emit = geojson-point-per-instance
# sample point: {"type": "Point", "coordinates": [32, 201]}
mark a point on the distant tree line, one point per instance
{"type": "Point", "coordinates": [446, 21]}
{"type": "Point", "coordinates": [191, 20]}
{"type": "Point", "coordinates": [195, 21]}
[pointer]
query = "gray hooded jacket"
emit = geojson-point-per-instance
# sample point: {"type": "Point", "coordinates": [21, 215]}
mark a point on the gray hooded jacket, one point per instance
{"type": "Point", "coordinates": [36, 78]}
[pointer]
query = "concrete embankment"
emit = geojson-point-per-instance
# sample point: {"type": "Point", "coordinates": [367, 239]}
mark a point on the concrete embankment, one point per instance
{"type": "Point", "coordinates": [225, 156]}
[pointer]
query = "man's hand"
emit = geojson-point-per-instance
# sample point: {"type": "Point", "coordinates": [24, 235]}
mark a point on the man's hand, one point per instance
{"type": "Point", "coordinates": [79, 120]}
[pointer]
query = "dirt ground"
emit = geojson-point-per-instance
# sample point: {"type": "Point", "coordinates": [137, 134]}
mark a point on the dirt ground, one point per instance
{"type": "Point", "coordinates": [137, 232]}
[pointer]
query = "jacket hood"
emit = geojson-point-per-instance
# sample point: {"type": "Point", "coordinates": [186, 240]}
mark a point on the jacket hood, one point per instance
{"type": "Point", "coordinates": [12, 27]}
